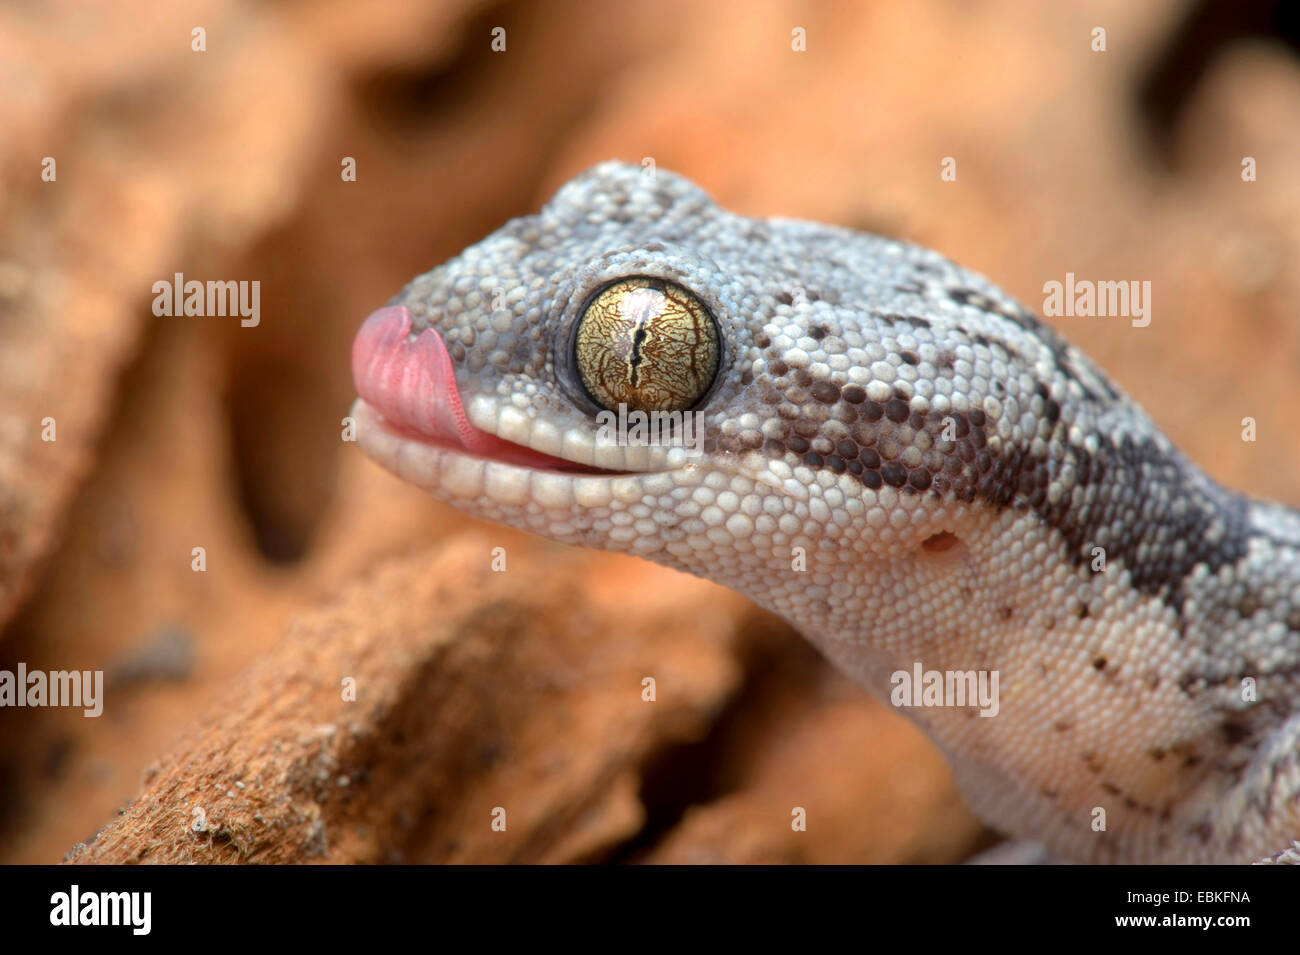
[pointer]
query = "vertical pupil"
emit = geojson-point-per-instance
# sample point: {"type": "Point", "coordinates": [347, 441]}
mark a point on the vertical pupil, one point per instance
{"type": "Point", "coordinates": [639, 307]}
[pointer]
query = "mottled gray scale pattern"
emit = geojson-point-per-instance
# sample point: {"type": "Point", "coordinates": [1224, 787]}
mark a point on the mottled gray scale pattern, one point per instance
{"type": "Point", "coordinates": [1183, 520]}
{"type": "Point", "coordinates": [947, 465]}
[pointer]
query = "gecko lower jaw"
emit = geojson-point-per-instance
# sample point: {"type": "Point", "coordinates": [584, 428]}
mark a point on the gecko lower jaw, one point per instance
{"type": "Point", "coordinates": [385, 440]}
{"type": "Point", "coordinates": [473, 481]}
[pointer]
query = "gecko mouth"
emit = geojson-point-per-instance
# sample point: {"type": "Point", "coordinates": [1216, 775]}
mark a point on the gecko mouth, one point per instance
{"type": "Point", "coordinates": [409, 389]}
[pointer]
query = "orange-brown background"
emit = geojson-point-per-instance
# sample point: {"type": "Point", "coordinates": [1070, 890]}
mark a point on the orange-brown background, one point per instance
{"type": "Point", "coordinates": [522, 689]}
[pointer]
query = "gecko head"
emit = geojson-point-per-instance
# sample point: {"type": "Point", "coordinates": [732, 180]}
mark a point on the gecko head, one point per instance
{"type": "Point", "coordinates": [571, 374]}
{"type": "Point", "coordinates": [802, 400]}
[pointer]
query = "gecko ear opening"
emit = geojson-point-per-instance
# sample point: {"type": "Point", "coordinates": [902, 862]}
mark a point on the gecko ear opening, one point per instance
{"type": "Point", "coordinates": [944, 548]}
{"type": "Point", "coordinates": [940, 543]}
{"type": "Point", "coordinates": [944, 552]}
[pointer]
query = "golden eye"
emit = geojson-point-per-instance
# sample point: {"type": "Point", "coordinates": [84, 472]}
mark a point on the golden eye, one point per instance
{"type": "Point", "coordinates": [648, 344]}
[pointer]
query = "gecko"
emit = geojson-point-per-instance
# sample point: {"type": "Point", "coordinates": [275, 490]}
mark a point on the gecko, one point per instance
{"type": "Point", "coordinates": [892, 454]}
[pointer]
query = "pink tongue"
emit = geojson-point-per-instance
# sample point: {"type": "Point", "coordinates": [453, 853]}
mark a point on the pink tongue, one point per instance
{"type": "Point", "coordinates": [412, 385]}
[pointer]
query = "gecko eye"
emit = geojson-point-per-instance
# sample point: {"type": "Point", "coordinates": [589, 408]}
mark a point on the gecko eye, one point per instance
{"type": "Point", "coordinates": [646, 343]}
